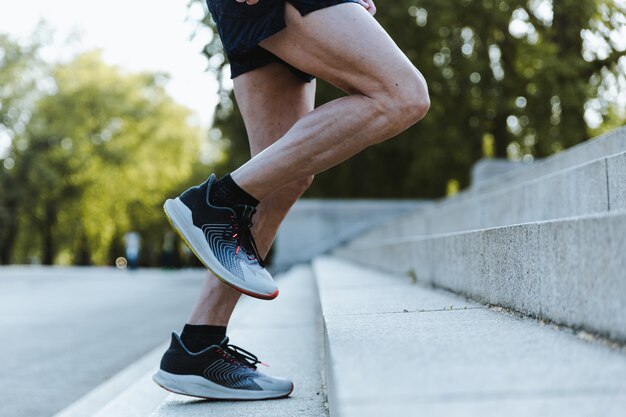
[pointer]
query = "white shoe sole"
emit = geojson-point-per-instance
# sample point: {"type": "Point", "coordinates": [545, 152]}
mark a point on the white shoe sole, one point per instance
{"type": "Point", "coordinates": [181, 219]}
{"type": "Point", "coordinates": [196, 386]}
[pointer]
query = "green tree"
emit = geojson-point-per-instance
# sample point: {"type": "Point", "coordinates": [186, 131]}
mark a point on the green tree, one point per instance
{"type": "Point", "coordinates": [20, 70]}
{"type": "Point", "coordinates": [100, 153]}
{"type": "Point", "coordinates": [508, 78]}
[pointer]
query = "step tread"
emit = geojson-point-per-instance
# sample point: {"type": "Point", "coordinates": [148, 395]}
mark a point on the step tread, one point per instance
{"type": "Point", "coordinates": [140, 399]}
{"type": "Point", "coordinates": [130, 393]}
{"type": "Point", "coordinates": [454, 357]}
{"type": "Point", "coordinates": [286, 333]}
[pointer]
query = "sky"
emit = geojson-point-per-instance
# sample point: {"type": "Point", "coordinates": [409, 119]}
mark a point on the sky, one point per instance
{"type": "Point", "coordinates": [138, 35]}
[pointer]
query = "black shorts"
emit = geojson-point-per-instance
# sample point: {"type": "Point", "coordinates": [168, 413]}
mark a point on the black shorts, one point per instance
{"type": "Point", "coordinates": [241, 27]}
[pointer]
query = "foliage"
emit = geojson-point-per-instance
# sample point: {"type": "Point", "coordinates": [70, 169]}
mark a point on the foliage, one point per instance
{"type": "Point", "coordinates": [508, 78]}
{"type": "Point", "coordinates": [20, 68]}
{"type": "Point", "coordinates": [99, 153]}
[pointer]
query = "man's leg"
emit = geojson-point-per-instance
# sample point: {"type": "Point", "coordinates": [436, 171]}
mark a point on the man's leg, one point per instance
{"type": "Point", "coordinates": [271, 100]}
{"type": "Point", "coordinates": [345, 46]}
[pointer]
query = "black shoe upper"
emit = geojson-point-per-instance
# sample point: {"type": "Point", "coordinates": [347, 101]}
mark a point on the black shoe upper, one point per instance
{"type": "Point", "coordinates": [228, 230]}
{"type": "Point", "coordinates": [203, 212]}
{"type": "Point", "coordinates": [223, 364]}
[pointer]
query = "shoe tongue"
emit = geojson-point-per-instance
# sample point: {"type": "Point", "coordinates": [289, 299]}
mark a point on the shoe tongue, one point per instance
{"type": "Point", "coordinates": [243, 211]}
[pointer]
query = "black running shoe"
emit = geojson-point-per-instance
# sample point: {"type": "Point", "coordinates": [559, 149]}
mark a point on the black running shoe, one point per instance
{"type": "Point", "coordinates": [218, 372]}
{"type": "Point", "coordinates": [221, 238]}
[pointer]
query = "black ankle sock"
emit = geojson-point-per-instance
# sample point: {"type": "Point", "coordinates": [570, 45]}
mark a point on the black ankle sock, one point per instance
{"type": "Point", "coordinates": [226, 193]}
{"type": "Point", "coordinates": [198, 337]}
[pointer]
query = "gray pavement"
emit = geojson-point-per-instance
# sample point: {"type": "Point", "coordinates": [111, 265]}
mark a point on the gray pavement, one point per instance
{"type": "Point", "coordinates": [66, 330]}
{"type": "Point", "coordinates": [395, 348]}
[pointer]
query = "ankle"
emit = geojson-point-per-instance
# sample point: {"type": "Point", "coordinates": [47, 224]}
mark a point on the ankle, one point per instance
{"type": "Point", "coordinates": [198, 337]}
{"type": "Point", "coordinates": [226, 193]}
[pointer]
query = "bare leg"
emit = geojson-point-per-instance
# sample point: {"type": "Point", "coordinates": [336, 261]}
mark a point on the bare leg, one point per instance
{"type": "Point", "coordinates": [271, 100]}
{"type": "Point", "coordinates": [345, 46]}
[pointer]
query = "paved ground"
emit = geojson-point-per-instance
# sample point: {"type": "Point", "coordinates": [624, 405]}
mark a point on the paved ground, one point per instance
{"type": "Point", "coordinates": [66, 330]}
{"type": "Point", "coordinates": [400, 349]}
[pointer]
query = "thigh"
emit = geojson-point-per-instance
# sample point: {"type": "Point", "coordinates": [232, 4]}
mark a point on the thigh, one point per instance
{"type": "Point", "coordinates": [271, 100]}
{"type": "Point", "coordinates": [343, 45]}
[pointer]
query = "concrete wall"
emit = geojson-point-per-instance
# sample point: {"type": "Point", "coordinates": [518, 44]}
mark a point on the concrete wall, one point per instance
{"type": "Point", "coordinates": [313, 227]}
{"type": "Point", "coordinates": [596, 187]}
{"type": "Point", "coordinates": [570, 271]}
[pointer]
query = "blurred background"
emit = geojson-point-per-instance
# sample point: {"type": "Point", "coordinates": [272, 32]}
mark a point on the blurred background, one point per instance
{"type": "Point", "coordinates": [104, 113]}
{"type": "Point", "coordinates": [109, 108]}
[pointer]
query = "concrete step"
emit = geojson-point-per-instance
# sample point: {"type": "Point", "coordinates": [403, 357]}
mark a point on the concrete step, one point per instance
{"type": "Point", "coordinates": [395, 348]}
{"type": "Point", "coordinates": [571, 271]}
{"type": "Point", "coordinates": [598, 186]}
{"type": "Point", "coordinates": [285, 333]}
{"type": "Point", "coordinates": [600, 147]}
{"type": "Point", "coordinates": [130, 393]}
{"type": "Point", "coordinates": [314, 227]}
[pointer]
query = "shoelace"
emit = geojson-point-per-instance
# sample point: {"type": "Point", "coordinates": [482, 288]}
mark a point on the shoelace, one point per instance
{"type": "Point", "coordinates": [241, 229]}
{"type": "Point", "coordinates": [243, 356]}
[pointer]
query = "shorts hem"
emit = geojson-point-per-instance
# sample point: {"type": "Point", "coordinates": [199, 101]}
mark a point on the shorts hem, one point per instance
{"type": "Point", "coordinates": [241, 34]}
{"type": "Point", "coordinates": [307, 11]}
{"type": "Point", "coordinates": [251, 45]}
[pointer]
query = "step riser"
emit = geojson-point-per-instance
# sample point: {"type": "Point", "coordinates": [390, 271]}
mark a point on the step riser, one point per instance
{"type": "Point", "coordinates": [329, 377]}
{"type": "Point", "coordinates": [313, 227]}
{"type": "Point", "coordinates": [593, 188]}
{"type": "Point", "coordinates": [570, 271]}
{"type": "Point", "coordinates": [616, 172]}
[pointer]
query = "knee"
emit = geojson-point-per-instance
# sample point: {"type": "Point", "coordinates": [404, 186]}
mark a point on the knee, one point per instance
{"type": "Point", "coordinates": [406, 101]}
{"type": "Point", "coordinates": [414, 103]}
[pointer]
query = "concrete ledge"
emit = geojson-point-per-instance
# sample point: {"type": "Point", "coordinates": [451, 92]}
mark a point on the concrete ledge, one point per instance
{"type": "Point", "coordinates": [596, 187]}
{"type": "Point", "coordinates": [313, 226]}
{"type": "Point", "coordinates": [572, 271]}
{"type": "Point", "coordinates": [608, 144]}
{"type": "Point", "coordinates": [486, 169]}
{"type": "Point", "coordinates": [616, 172]}
{"type": "Point", "coordinates": [400, 349]}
